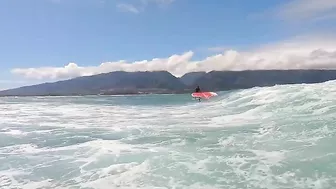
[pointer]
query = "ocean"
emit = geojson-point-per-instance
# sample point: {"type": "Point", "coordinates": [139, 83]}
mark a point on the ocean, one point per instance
{"type": "Point", "coordinates": [266, 137]}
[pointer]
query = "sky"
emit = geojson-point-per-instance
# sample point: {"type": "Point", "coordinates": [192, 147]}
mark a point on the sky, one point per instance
{"type": "Point", "coordinates": [49, 40]}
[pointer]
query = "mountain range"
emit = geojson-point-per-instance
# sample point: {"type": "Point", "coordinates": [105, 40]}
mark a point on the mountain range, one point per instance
{"type": "Point", "coordinates": [121, 82]}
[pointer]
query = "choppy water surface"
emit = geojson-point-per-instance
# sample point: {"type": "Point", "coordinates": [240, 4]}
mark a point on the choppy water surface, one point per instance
{"type": "Point", "coordinates": [276, 137]}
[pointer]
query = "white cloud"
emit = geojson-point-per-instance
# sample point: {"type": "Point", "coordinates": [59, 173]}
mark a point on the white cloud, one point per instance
{"type": "Point", "coordinates": [175, 64]}
{"type": "Point", "coordinates": [158, 2]}
{"type": "Point", "coordinates": [128, 8]}
{"type": "Point", "coordinates": [299, 53]}
{"type": "Point", "coordinates": [141, 5]}
{"type": "Point", "coordinates": [307, 9]}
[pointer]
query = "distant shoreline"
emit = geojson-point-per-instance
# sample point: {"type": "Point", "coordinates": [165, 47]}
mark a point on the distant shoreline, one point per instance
{"type": "Point", "coordinates": [163, 82]}
{"type": "Point", "coordinates": [112, 94]}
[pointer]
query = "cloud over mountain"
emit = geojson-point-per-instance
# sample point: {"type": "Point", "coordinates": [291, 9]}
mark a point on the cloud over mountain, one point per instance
{"type": "Point", "coordinates": [300, 53]}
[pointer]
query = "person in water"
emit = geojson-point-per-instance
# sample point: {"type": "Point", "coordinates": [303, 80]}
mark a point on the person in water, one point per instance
{"type": "Point", "coordinates": [197, 90]}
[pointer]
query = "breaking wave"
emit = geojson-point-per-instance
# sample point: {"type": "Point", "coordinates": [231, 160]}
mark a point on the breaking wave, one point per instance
{"type": "Point", "coordinates": [271, 137]}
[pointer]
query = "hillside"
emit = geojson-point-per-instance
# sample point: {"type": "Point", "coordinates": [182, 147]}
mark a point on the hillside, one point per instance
{"type": "Point", "coordinates": [163, 82]}
{"type": "Point", "coordinates": [190, 78]}
{"type": "Point", "coordinates": [110, 83]}
{"type": "Point", "coordinates": [227, 80]}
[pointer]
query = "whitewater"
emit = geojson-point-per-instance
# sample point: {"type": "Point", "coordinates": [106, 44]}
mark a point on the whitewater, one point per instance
{"type": "Point", "coordinates": [266, 137]}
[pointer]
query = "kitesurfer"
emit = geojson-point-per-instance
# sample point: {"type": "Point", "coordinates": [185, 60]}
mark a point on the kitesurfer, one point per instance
{"type": "Point", "coordinates": [197, 90]}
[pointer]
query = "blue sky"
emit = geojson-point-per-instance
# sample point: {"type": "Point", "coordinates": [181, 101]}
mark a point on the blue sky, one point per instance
{"type": "Point", "coordinates": [47, 35]}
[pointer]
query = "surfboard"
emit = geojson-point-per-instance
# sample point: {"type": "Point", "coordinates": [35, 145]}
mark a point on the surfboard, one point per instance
{"type": "Point", "coordinates": [204, 95]}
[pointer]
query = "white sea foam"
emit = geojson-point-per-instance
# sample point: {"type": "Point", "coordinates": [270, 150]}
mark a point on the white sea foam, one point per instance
{"type": "Point", "coordinates": [264, 137]}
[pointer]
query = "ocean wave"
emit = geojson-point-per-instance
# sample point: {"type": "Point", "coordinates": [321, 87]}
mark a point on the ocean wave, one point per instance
{"type": "Point", "coordinates": [263, 137]}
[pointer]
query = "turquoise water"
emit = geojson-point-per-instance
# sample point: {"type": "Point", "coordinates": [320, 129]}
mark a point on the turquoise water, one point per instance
{"type": "Point", "coordinates": [274, 137]}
